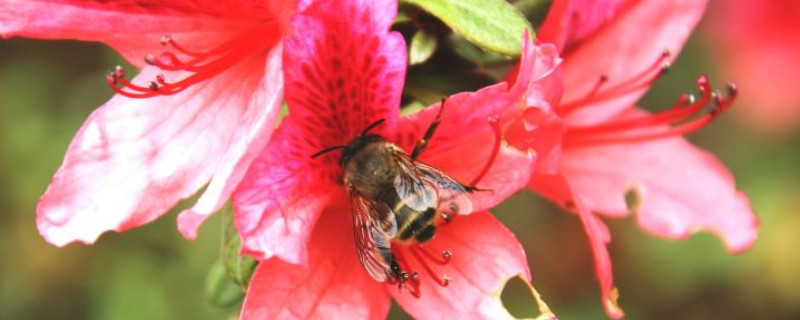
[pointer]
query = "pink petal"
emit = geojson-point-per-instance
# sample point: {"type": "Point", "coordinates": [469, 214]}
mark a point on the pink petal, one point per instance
{"type": "Point", "coordinates": [344, 73]}
{"type": "Point", "coordinates": [332, 286]}
{"type": "Point", "coordinates": [281, 196]}
{"type": "Point", "coordinates": [134, 159]}
{"type": "Point", "coordinates": [332, 97]}
{"type": "Point", "coordinates": [570, 21]}
{"type": "Point", "coordinates": [682, 189]}
{"type": "Point", "coordinates": [557, 188]}
{"type": "Point", "coordinates": [255, 129]}
{"type": "Point", "coordinates": [464, 141]}
{"type": "Point", "coordinates": [755, 44]}
{"type": "Point", "coordinates": [131, 29]}
{"type": "Point", "coordinates": [624, 48]}
{"type": "Point", "coordinates": [485, 256]}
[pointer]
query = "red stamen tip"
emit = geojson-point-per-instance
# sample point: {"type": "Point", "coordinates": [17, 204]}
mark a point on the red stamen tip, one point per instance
{"type": "Point", "coordinates": [733, 89]}
{"type": "Point", "coordinates": [150, 59]}
{"type": "Point", "coordinates": [665, 67]}
{"type": "Point", "coordinates": [165, 39]}
{"type": "Point", "coordinates": [446, 255]}
{"type": "Point", "coordinates": [111, 79]}
{"type": "Point", "coordinates": [119, 72]}
{"type": "Point", "coordinates": [153, 86]}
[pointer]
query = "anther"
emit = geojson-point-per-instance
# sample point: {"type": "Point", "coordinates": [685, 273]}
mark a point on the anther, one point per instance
{"type": "Point", "coordinates": [150, 59]}
{"type": "Point", "coordinates": [119, 72]}
{"type": "Point", "coordinates": [153, 86]}
{"type": "Point", "coordinates": [445, 281]}
{"type": "Point", "coordinates": [165, 39]}
{"type": "Point", "coordinates": [446, 217]}
{"type": "Point", "coordinates": [665, 68]}
{"type": "Point", "coordinates": [446, 255]}
{"type": "Point", "coordinates": [732, 88]}
{"type": "Point", "coordinates": [690, 99]}
{"type": "Point", "coordinates": [681, 119]}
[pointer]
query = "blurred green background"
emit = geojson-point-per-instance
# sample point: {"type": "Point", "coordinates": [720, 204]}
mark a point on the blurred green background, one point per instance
{"type": "Point", "coordinates": [48, 88]}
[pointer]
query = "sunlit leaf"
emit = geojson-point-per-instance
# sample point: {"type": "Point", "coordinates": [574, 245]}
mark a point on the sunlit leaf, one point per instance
{"type": "Point", "coordinates": [422, 46]}
{"type": "Point", "coordinates": [495, 25]}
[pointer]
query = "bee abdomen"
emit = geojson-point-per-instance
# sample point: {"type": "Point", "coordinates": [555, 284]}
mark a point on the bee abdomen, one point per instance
{"type": "Point", "coordinates": [414, 224]}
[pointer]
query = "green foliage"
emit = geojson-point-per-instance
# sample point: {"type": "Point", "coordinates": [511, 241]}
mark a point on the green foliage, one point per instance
{"type": "Point", "coordinates": [239, 268]}
{"type": "Point", "coordinates": [220, 290]}
{"type": "Point", "coordinates": [494, 25]}
{"type": "Point", "coordinates": [421, 48]}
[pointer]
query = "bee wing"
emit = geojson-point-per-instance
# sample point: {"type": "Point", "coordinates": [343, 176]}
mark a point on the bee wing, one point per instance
{"type": "Point", "coordinates": [374, 227]}
{"type": "Point", "coordinates": [452, 194]}
{"type": "Point", "coordinates": [453, 197]}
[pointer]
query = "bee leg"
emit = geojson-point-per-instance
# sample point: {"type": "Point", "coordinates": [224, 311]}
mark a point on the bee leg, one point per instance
{"type": "Point", "coordinates": [422, 143]}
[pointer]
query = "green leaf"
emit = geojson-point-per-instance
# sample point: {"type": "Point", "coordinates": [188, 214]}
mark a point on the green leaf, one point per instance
{"type": "Point", "coordinates": [473, 53]}
{"type": "Point", "coordinates": [494, 25]}
{"type": "Point", "coordinates": [239, 268]}
{"type": "Point", "coordinates": [422, 46]}
{"type": "Point", "coordinates": [401, 17]}
{"type": "Point", "coordinates": [220, 290]}
{"type": "Point", "coordinates": [534, 10]}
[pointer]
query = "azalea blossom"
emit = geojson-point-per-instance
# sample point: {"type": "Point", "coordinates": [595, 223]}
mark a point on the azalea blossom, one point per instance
{"type": "Point", "coordinates": [755, 43]}
{"type": "Point", "coordinates": [613, 159]}
{"type": "Point", "coordinates": [203, 105]}
{"type": "Point", "coordinates": [293, 212]}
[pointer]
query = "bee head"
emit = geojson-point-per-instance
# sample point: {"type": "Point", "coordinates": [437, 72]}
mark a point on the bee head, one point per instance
{"type": "Point", "coordinates": [355, 145]}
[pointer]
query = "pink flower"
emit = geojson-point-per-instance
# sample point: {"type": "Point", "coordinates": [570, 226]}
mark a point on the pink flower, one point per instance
{"type": "Point", "coordinates": [615, 159]}
{"type": "Point", "coordinates": [213, 85]}
{"type": "Point", "coordinates": [755, 43]}
{"type": "Point", "coordinates": [345, 71]}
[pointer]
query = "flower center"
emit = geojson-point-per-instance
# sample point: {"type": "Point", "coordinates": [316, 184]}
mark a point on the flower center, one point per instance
{"type": "Point", "coordinates": [681, 119]}
{"type": "Point", "coordinates": [191, 67]}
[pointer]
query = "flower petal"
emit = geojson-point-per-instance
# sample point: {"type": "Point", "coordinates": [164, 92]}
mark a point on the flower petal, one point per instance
{"type": "Point", "coordinates": [622, 50]}
{"type": "Point", "coordinates": [281, 197]}
{"type": "Point", "coordinates": [570, 21]}
{"type": "Point", "coordinates": [485, 256]}
{"type": "Point", "coordinates": [132, 29]}
{"type": "Point", "coordinates": [559, 189]}
{"type": "Point", "coordinates": [254, 130]}
{"type": "Point", "coordinates": [465, 128]}
{"type": "Point", "coordinates": [675, 188]}
{"type": "Point", "coordinates": [331, 286]}
{"type": "Point", "coordinates": [133, 159]}
{"type": "Point", "coordinates": [754, 44]}
{"type": "Point", "coordinates": [344, 73]}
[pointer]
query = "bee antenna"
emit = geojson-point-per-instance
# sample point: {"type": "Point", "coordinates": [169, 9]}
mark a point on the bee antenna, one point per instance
{"type": "Point", "coordinates": [326, 150]}
{"type": "Point", "coordinates": [372, 126]}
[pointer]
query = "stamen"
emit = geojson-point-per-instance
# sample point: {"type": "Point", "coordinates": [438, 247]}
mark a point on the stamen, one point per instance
{"type": "Point", "coordinates": [495, 123]}
{"type": "Point", "coordinates": [441, 260]}
{"type": "Point", "coordinates": [442, 281]}
{"type": "Point", "coordinates": [656, 126]}
{"type": "Point", "coordinates": [639, 81]}
{"type": "Point", "coordinates": [200, 66]}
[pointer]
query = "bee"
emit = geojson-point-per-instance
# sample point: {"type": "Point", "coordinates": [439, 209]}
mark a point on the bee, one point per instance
{"type": "Point", "coordinates": [395, 198]}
